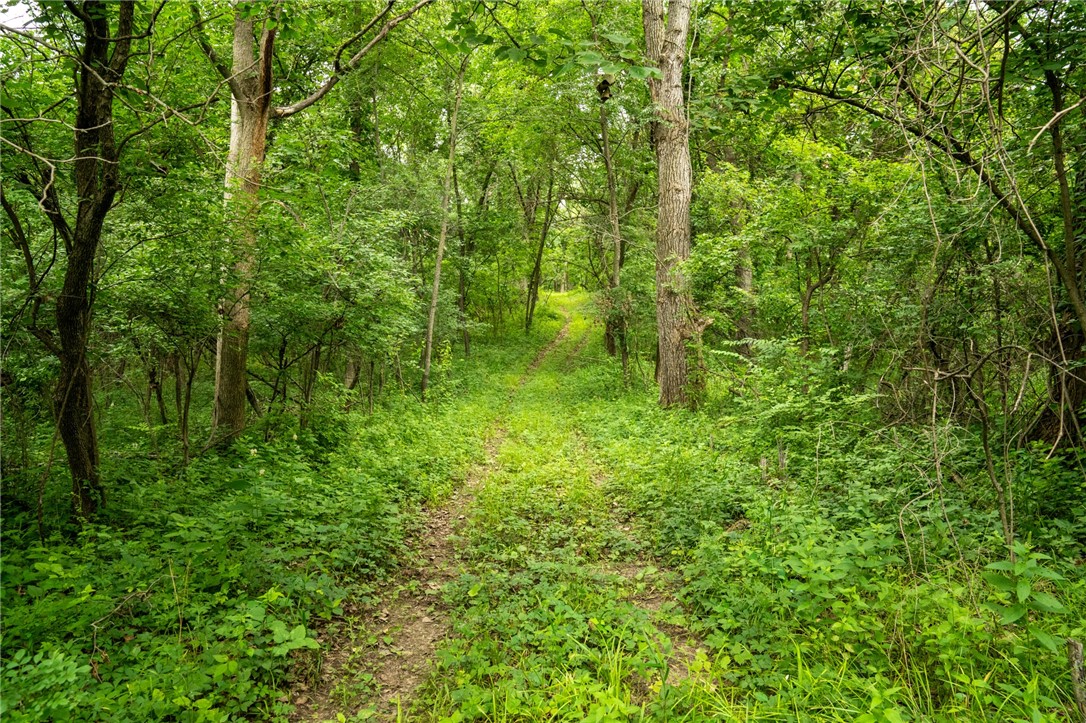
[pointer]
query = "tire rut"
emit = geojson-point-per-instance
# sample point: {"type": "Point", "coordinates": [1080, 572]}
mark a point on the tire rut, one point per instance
{"type": "Point", "coordinates": [403, 630]}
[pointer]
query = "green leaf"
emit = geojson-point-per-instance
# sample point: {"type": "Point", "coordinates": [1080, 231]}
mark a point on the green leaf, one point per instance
{"type": "Point", "coordinates": [238, 483]}
{"type": "Point", "coordinates": [618, 38]}
{"type": "Point", "coordinates": [1005, 565]}
{"type": "Point", "coordinates": [1012, 614]}
{"type": "Point", "coordinates": [509, 52]}
{"type": "Point", "coordinates": [1049, 641]}
{"type": "Point", "coordinates": [1046, 603]}
{"type": "Point", "coordinates": [641, 72]}
{"type": "Point", "coordinates": [1022, 591]}
{"type": "Point", "coordinates": [1047, 574]}
{"type": "Point", "coordinates": [1000, 582]}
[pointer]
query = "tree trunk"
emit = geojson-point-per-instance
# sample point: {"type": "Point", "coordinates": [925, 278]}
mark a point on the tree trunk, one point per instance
{"type": "Point", "coordinates": [97, 180]}
{"type": "Point", "coordinates": [372, 374]}
{"type": "Point", "coordinates": [537, 268]}
{"type": "Point", "coordinates": [309, 382]}
{"type": "Point", "coordinates": [250, 110]}
{"type": "Point", "coordinates": [154, 386]}
{"type": "Point", "coordinates": [466, 249]}
{"type": "Point", "coordinates": [175, 369]}
{"type": "Point", "coordinates": [615, 326]}
{"type": "Point", "coordinates": [432, 318]}
{"type": "Point", "coordinates": [351, 374]}
{"type": "Point", "coordinates": [744, 281]}
{"type": "Point", "coordinates": [186, 405]}
{"type": "Point", "coordinates": [666, 46]}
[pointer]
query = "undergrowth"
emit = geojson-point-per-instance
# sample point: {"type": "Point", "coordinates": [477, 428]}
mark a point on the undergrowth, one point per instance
{"type": "Point", "coordinates": [836, 572]}
{"type": "Point", "coordinates": [779, 554]}
{"type": "Point", "coordinates": [200, 595]}
{"type": "Point", "coordinates": [828, 569]}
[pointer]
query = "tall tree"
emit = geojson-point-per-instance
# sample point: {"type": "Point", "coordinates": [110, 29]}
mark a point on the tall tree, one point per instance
{"type": "Point", "coordinates": [665, 43]}
{"type": "Point", "coordinates": [615, 328]}
{"type": "Point", "coordinates": [251, 82]}
{"type": "Point", "coordinates": [428, 344]}
{"type": "Point", "coordinates": [535, 278]}
{"type": "Point", "coordinates": [100, 59]}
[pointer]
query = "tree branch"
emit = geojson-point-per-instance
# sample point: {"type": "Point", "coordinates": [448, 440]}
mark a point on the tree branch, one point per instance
{"type": "Point", "coordinates": [337, 73]}
{"type": "Point", "coordinates": [209, 51]}
{"type": "Point", "coordinates": [360, 34]}
{"type": "Point", "coordinates": [953, 147]}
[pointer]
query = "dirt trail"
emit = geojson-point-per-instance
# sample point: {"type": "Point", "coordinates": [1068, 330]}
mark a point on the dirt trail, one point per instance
{"type": "Point", "coordinates": [545, 351]}
{"type": "Point", "coordinates": [407, 625]}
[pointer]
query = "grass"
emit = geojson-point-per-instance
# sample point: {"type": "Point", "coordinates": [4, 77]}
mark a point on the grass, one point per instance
{"type": "Point", "coordinates": [791, 602]}
{"type": "Point", "coordinates": [619, 562]}
{"type": "Point", "coordinates": [547, 625]}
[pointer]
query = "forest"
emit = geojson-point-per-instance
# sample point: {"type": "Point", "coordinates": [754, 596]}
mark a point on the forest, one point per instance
{"type": "Point", "coordinates": [543, 360]}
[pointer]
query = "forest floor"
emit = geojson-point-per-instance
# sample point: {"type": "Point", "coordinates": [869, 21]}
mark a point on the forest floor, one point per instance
{"type": "Point", "coordinates": [540, 541]}
{"type": "Point", "coordinates": [592, 557]}
{"type": "Point", "coordinates": [507, 578]}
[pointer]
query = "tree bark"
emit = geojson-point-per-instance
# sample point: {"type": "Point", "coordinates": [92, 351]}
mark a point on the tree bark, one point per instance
{"type": "Point", "coordinates": [97, 181]}
{"type": "Point", "coordinates": [666, 48]}
{"type": "Point", "coordinates": [192, 366]}
{"type": "Point", "coordinates": [353, 371]}
{"type": "Point", "coordinates": [466, 249]}
{"type": "Point", "coordinates": [428, 345]}
{"type": "Point", "coordinates": [154, 386]}
{"type": "Point", "coordinates": [250, 110]}
{"type": "Point", "coordinates": [537, 268]}
{"type": "Point", "coordinates": [614, 333]}
{"type": "Point", "coordinates": [1078, 675]}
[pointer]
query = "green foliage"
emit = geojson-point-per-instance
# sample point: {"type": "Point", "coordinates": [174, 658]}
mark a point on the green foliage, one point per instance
{"type": "Point", "coordinates": [876, 514]}
{"type": "Point", "coordinates": [837, 587]}
{"type": "Point", "coordinates": [200, 598]}
{"type": "Point", "coordinates": [825, 583]}
{"type": "Point", "coordinates": [1016, 583]}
